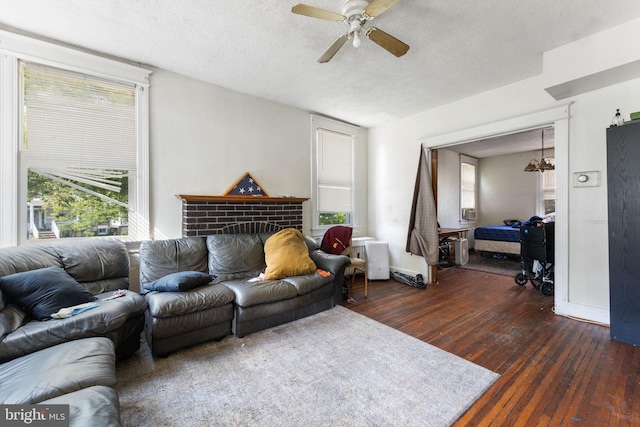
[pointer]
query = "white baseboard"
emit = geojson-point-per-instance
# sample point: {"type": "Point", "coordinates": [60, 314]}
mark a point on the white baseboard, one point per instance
{"type": "Point", "coordinates": [585, 312]}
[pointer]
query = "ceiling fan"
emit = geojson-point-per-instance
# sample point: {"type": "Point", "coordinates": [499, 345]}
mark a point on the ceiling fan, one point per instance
{"type": "Point", "coordinates": [356, 13]}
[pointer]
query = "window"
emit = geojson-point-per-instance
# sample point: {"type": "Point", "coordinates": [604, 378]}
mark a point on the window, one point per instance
{"type": "Point", "coordinates": [468, 190]}
{"type": "Point", "coordinates": [73, 124]}
{"type": "Point", "coordinates": [334, 170]}
{"type": "Point", "coordinates": [79, 151]}
{"type": "Point", "coordinates": [549, 189]}
{"type": "Point", "coordinates": [335, 177]}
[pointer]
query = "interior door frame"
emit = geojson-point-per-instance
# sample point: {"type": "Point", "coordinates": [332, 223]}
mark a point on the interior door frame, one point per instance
{"type": "Point", "coordinates": [557, 117]}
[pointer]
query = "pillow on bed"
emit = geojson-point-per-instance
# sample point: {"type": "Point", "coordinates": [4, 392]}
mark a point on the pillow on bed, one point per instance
{"type": "Point", "coordinates": [512, 222]}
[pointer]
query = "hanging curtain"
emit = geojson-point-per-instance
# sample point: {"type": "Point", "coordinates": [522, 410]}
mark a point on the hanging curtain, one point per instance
{"type": "Point", "coordinates": [423, 223]}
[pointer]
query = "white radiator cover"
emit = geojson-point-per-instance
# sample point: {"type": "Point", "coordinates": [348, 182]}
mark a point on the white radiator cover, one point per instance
{"type": "Point", "coordinates": [357, 245]}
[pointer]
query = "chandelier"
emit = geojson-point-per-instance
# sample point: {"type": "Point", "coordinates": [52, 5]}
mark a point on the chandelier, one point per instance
{"type": "Point", "coordinates": [540, 165]}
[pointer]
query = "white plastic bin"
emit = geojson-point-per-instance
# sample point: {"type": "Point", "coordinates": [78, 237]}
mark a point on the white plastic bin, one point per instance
{"type": "Point", "coordinates": [377, 260]}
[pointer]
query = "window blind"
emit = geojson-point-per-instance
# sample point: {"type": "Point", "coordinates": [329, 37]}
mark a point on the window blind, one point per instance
{"type": "Point", "coordinates": [78, 127]}
{"type": "Point", "coordinates": [468, 186]}
{"type": "Point", "coordinates": [335, 171]}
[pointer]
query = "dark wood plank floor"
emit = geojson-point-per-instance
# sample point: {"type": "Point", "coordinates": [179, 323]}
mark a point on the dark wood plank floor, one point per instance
{"type": "Point", "coordinates": [555, 371]}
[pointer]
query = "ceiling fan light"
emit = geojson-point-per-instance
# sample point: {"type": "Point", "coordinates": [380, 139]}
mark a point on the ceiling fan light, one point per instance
{"type": "Point", "coordinates": [357, 41]}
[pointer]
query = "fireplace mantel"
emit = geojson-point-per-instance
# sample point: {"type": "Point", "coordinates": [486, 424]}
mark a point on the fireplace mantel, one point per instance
{"type": "Point", "coordinates": [241, 199]}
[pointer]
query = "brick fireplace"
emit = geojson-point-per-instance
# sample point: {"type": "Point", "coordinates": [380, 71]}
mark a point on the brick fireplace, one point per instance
{"type": "Point", "coordinates": [203, 215]}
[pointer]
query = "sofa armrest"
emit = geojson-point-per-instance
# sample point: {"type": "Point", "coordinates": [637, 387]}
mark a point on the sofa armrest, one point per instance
{"type": "Point", "coordinates": [336, 264]}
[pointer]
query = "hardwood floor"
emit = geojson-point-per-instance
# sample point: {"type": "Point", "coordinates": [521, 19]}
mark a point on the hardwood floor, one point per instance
{"type": "Point", "coordinates": [555, 371]}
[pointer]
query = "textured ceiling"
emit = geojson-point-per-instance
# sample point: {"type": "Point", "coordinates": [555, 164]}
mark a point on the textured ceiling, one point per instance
{"type": "Point", "coordinates": [458, 47]}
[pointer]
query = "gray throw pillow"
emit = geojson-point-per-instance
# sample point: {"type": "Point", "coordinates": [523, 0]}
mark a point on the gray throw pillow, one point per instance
{"type": "Point", "coordinates": [180, 281]}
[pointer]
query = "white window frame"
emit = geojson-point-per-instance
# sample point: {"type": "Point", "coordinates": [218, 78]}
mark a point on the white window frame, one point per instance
{"type": "Point", "coordinates": [548, 185]}
{"type": "Point", "coordinates": [323, 123]}
{"type": "Point", "coordinates": [16, 47]}
{"type": "Point", "coordinates": [473, 162]}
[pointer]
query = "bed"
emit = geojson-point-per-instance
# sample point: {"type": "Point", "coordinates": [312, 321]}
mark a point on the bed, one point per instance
{"type": "Point", "coordinates": [502, 239]}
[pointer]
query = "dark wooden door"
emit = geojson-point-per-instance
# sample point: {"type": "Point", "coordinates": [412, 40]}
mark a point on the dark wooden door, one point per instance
{"type": "Point", "coordinates": [623, 185]}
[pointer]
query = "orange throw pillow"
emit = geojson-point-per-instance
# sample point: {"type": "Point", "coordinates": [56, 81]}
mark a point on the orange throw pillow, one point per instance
{"type": "Point", "coordinates": [286, 255]}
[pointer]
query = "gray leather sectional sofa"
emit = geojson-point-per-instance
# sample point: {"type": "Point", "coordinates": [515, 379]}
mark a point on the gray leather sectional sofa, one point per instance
{"type": "Point", "coordinates": [101, 267]}
{"type": "Point", "coordinates": [68, 360]}
{"type": "Point", "coordinates": [236, 302]}
{"type": "Point", "coordinates": [79, 373]}
{"type": "Point", "coordinates": [72, 360]}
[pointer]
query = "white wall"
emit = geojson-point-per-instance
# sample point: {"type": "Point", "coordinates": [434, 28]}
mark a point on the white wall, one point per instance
{"type": "Point", "coordinates": [393, 150]}
{"type": "Point", "coordinates": [203, 138]}
{"type": "Point", "coordinates": [505, 191]}
{"type": "Point", "coordinates": [448, 189]}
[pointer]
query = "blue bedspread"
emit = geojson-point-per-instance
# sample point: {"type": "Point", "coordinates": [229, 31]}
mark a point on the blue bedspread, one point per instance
{"type": "Point", "coordinates": [499, 233]}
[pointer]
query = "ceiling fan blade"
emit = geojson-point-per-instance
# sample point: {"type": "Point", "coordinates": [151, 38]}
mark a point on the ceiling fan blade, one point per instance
{"type": "Point", "coordinates": [334, 48]}
{"type": "Point", "coordinates": [316, 12]}
{"type": "Point", "coordinates": [376, 7]}
{"type": "Point", "coordinates": [387, 41]}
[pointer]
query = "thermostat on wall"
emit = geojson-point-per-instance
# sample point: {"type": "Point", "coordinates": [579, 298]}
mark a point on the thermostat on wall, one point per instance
{"type": "Point", "coordinates": [586, 179]}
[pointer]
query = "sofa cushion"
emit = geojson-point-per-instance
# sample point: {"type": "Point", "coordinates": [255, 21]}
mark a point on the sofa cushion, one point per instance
{"type": "Point", "coordinates": [261, 292]}
{"type": "Point", "coordinates": [58, 370]}
{"type": "Point", "coordinates": [96, 406]}
{"type": "Point", "coordinates": [103, 320]}
{"type": "Point", "coordinates": [235, 256]}
{"type": "Point", "coordinates": [286, 254]}
{"type": "Point", "coordinates": [205, 324]}
{"type": "Point", "coordinates": [312, 244]}
{"type": "Point", "coordinates": [16, 259]}
{"type": "Point", "coordinates": [159, 258]}
{"type": "Point", "coordinates": [89, 260]}
{"type": "Point", "coordinates": [11, 318]}
{"type": "Point", "coordinates": [44, 291]}
{"type": "Point", "coordinates": [99, 265]}
{"type": "Point", "coordinates": [180, 281]}
{"type": "Point", "coordinates": [309, 282]}
{"type": "Point", "coordinates": [170, 304]}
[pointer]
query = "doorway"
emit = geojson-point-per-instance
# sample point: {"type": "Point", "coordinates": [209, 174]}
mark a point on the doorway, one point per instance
{"type": "Point", "coordinates": [488, 188]}
{"type": "Point", "coordinates": [558, 118]}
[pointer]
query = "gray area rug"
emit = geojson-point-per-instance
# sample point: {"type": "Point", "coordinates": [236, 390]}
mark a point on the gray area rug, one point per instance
{"type": "Point", "coordinates": [336, 368]}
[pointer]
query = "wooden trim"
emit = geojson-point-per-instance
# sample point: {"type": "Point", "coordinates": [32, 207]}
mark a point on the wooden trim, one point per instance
{"type": "Point", "coordinates": [241, 199]}
{"type": "Point", "coordinates": [434, 176]}
{"type": "Point", "coordinates": [434, 187]}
